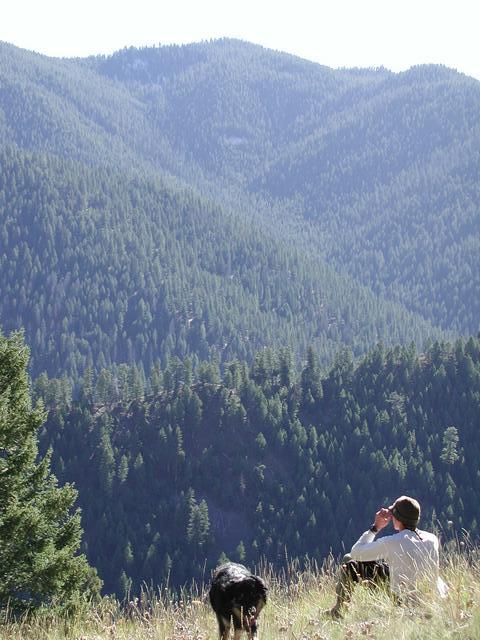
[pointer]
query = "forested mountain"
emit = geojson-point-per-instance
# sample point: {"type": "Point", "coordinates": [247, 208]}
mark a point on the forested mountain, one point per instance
{"type": "Point", "coordinates": [394, 186]}
{"type": "Point", "coordinates": [60, 107]}
{"type": "Point", "coordinates": [102, 268]}
{"type": "Point", "coordinates": [360, 172]}
{"type": "Point", "coordinates": [384, 164]}
{"type": "Point", "coordinates": [178, 226]}
{"type": "Point", "coordinates": [264, 463]}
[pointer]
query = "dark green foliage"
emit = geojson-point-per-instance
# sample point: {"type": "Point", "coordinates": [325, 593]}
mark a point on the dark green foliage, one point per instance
{"type": "Point", "coordinates": [39, 532]}
{"type": "Point", "coordinates": [384, 166]}
{"type": "Point", "coordinates": [450, 441]}
{"type": "Point", "coordinates": [101, 268]}
{"type": "Point", "coordinates": [252, 466]}
{"type": "Point", "coordinates": [177, 226]}
{"type": "Point", "coordinates": [262, 178]}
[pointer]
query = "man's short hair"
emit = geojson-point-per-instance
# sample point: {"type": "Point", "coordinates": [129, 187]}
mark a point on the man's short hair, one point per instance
{"type": "Point", "coordinates": [406, 510]}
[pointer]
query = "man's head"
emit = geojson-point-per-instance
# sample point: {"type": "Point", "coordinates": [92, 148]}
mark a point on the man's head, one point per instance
{"type": "Point", "coordinates": [406, 510]}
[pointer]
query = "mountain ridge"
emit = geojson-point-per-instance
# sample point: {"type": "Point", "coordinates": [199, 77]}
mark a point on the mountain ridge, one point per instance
{"type": "Point", "coordinates": [249, 138]}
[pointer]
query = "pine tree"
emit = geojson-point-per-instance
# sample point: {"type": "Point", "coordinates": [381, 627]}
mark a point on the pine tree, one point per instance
{"type": "Point", "coordinates": [310, 380]}
{"type": "Point", "coordinates": [449, 453]}
{"type": "Point", "coordinates": [39, 533]}
{"type": "Point", "coordinates": [198, 524]}
{"type": "Point", "coordinates": [240, 551]}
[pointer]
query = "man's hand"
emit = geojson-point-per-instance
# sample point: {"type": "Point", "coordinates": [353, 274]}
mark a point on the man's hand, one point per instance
{"type": "Point", "coordinates": [382, 518]}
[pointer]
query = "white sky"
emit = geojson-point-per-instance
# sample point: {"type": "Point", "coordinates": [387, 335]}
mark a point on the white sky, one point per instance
{"type": "Point", "coordinates": [363, 33]}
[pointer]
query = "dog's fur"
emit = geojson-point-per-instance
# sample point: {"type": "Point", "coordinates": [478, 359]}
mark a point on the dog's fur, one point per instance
{"type": "Point", "coordinates": [237, 595]}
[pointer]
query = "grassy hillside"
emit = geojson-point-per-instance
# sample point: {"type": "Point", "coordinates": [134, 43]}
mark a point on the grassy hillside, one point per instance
{"type": "Point", "coordinates": [294, 611]}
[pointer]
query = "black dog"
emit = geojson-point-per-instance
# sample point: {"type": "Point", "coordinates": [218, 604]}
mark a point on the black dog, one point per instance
{"type": "Point", "coordinates": [238, 595]}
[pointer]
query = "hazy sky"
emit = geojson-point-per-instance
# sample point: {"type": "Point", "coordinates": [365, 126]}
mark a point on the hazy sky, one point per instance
{"type": "Point", "coordinates": [364, 33]}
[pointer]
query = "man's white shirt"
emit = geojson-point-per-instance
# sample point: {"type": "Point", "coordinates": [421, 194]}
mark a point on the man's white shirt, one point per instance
{"type": "Point", "coordinates": [410, 558]}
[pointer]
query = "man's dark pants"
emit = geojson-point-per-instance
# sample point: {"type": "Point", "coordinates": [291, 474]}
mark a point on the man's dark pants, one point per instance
{"type": "Point", "coordinates": [353, 572]}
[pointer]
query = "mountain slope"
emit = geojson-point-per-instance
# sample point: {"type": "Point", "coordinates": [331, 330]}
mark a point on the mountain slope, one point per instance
{"type": "Point", "coordinates": [101, 268]}
{"type": "Point", "coordinates": [384, 164]}
{"type": "Point", "coordinates": [370, 172]}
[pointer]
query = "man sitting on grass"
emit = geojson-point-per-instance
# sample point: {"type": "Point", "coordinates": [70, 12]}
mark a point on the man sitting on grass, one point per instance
{"type": "Point", "coordinates": [409, 555]}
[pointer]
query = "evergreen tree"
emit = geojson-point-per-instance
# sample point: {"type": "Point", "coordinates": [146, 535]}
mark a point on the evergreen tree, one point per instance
{"type": "Point", "coordinates": [311, 383]}
{"type": "Point", "coordinates": [273, 470]}
{"type": "Point", "coordinates": [39, 533]}
{"type": "Point", "coordinates": [449, 453]}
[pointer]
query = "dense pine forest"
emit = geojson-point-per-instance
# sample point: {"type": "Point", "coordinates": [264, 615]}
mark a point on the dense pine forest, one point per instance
{"type": "Point", "coordinates": [259, 463]}
{"type": "Point", "coordinates": [308, 206]}
{"type": "Point", "coordinates": [250, 289]}
{"type": "Point", "coordinates": [102, 269]}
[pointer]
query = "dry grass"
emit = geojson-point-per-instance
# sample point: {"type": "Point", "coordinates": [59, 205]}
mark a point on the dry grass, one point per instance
{"type": "Point", "coordinates": [294, 612]}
